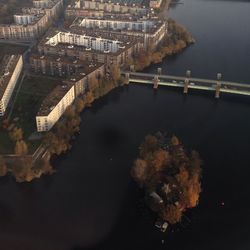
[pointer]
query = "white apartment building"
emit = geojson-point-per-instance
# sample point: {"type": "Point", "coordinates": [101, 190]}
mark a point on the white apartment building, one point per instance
{"type": "Point", "coordinates": [156, 4]}
{"type": "Point", "coordinates": [138, 25]}
{"type": "Point", "coordinates": [56, 103]}
{"type": "Point", "coordinates": [135, 7]}
{"type": "Point", "coordinates": [54, 106]}
{"type": "Point", "coordinates": [31, 22]}
{"type": "Point", "coordinates": [41, 3]}
{"type": "Point", "coordinates": [95, 43]}
{"type": "Point", "coordinates": [24, 19]}
{"type": "Point", "coordinates": [11, 70]}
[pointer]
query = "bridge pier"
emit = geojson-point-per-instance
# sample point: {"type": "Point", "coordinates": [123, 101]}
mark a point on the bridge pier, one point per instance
{"type": "Point", "coordinates": [132, 68]}
{"type": "Point", "coordinates": [159, 71]}
{"type": "Point", "coordinates": [186, 83]}
{"type": "Point", "coordinates": [156, 82]}
{"type": "Point", "coordinates": [218, 86]}
{"type": "Point", "coordinates": [127, 78]}
{"type": "Point", "coordinates": [217, 90]}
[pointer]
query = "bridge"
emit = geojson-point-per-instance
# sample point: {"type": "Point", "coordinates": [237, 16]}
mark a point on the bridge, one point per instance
{"type": "Point", "coordinates": [187, 82]}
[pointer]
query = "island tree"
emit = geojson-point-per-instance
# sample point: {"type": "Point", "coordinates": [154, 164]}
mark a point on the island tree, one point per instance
{"type": "Point", "coordinates": [169, 175]}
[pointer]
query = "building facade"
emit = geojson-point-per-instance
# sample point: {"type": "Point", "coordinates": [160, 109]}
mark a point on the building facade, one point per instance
{"type": "Point", "coordinates": [117, 24]}
{"type": "Point", "coordinates": [110, 6]}
{"type": "Point", "coordinates": [54, 106]}
{"type": "Point", "coordinates": [88, 48]}
{"type": "Point", "coordinates": [56, 103]}
{"type": "Point", "coordinates": [31, 22]}
{"type": "Point", "coordinates": [11, 67]}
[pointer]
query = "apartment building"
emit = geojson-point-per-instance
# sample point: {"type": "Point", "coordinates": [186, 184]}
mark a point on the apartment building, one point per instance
{"type": "Point", "coordinates": [56, 103]}
{"type": "Point", "coordinates": [62, 67]}
{"type": "Point", "coordinates": [30, 23]}
{"type": "Point", "coordinates": [150, 31]}
{"type": "Point", "coordinates": [11, 68]}
{"type": "Point", "coordinates": [54, 106]}
{"type": "Point", "coordinates": [108, 22]}
{"type": "Point", "coordinates": [112, 6]}
{"type": "Point", "coordinates": [77, 44]}
{"type": "Point", "coordinates": [155, 4]}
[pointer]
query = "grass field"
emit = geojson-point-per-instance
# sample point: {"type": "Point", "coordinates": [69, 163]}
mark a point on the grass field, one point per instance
{"type": "Point", "coordinates": [33, 91]}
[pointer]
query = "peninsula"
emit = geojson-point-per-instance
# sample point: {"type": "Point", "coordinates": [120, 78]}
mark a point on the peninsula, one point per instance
{"type": "Point", "coordinates": [75, 54]}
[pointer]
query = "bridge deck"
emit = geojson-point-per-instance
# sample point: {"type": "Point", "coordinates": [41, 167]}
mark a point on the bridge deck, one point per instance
{"type": "Point", "coordinates": [194, 83]}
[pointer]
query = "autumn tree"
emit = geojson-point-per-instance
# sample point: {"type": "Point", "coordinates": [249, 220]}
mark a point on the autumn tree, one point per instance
{"type": "Point", "coordinates": [160, 159]}
{"type": "Point", "coordinates": [16, 134]}
{"type": "Point", "coordinates": [171, 213]}
{"type": "Point", "coordinates": [21, 148]}
{"type": "Point", "coordinates": [139, 171]}
{"type": "Point", "coordinates": [115, 72]}
{"type": "Point", "coordinates": [3, 167]}
{"type": "Point", "coordinates": [79, 105]}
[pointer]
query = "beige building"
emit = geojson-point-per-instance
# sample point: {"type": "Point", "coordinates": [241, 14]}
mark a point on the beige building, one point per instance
{"type": "Point", "coordinates": [31, 22]}
{"type": "Point", "coordinates": [77, 44]}
{"type": "Point", "coordinates": [149, 31]}
{"type": "Point", "coordinates": [11, 68]}
{"type": "Point", "coordinates": [55, 104]}
{"type": "Point", "coordinates": [111, 6]}
{"type": "Point", "coordinates": [155, 4]}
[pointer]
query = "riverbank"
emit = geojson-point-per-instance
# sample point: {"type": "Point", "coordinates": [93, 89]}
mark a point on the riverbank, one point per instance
{"type": "Point", "coordinates": [177, 39]}
{"type": "Point", "coordinates": [58, 140]}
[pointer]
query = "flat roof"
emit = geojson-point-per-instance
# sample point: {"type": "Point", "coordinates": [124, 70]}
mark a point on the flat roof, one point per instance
{"type": "Point", "coordinates": [124, 2]}
{"type": "Point", "coordinates": [124, 45]}
{"type": "Point", "coordinates": [7, 67]}
{"type": "Point", "coordinates": [61, 90]}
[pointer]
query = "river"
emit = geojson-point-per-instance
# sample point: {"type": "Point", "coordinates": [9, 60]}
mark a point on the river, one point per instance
{"type": "Point", "coordinates": [92, 202]}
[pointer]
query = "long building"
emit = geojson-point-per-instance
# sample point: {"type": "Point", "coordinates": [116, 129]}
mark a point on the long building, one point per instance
{"type": "Point", "coordinates": [78, 45]}
{"type": "Point", "coordinates": [11, 68]}
{"type": "Point", "coordinates": [56, 103]}
{"type": "Point", "coordinates": [150, 31]}
{"type": "Point", "coordinates": [30, 23]}
{"type": "Point", "coordinates": [111, 6]}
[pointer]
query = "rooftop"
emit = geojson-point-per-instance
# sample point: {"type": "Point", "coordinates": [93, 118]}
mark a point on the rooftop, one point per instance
{"type": "Point", "coordinates": [122, 45]}
{"type": "Point", "coordinates": [7, 68]}
{"type": "Point", "coordinates": [61, 90]}
{"type": "Point", "coordinates": [155, 24]}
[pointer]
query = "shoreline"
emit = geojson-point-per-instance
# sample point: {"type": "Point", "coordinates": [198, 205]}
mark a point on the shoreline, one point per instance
{"type": "Point", "coordinates": [58, 140]}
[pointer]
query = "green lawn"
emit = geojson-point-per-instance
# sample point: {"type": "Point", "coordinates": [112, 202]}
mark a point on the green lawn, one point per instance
{"type": "Point", "coordinates": [27, 103]}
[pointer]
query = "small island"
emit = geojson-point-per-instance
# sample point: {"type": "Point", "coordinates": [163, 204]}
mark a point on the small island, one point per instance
{"type": "Point", "coordinates": [169, 176]}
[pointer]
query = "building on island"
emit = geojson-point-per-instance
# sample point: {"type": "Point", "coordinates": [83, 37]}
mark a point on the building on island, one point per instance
{"type": "Point", "coordinates": [11, 68]}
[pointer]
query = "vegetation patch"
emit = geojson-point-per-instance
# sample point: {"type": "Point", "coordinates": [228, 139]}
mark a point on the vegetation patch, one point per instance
{"type": "Point", "coordinates": [170, 177]}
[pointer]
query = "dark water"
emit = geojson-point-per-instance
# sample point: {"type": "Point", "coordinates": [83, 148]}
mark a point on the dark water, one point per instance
{"type": "Point", "coordinates": [92, 203]}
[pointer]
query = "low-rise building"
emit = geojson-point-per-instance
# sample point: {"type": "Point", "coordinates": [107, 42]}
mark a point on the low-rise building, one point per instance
{"type": "Point", "coordinates": [11, 68]}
